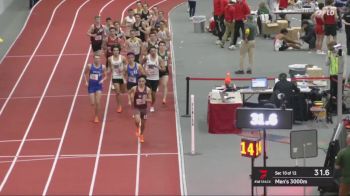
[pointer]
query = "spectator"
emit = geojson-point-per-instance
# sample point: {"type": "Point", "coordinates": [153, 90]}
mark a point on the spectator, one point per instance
{"type": "Point", "coordinates": [242, 11]}
{"type": "Point", "coordinates": [287, 88]}
{"type": "Point", "coordinates": [247, 46]}
{"type": "Point", "coordinates": [282, 42]}
{"type": "Point", "coordinates": [343, 162]}
{"type": "Point", "coordinates": [317, 17]}
{"type": "Point", "coordinates": [309, 37]}
{"type": "Point", "coordinates": [333, 63]}
{"type": "Point", "coordinates": [346, 21]}
{"type": "Point", "coordinates": [229, 13]}
{"type": "Point", "coordinates": [219, 6]}
{"type": "Point", "coordinates": [192, 5]}
{"type": "Point", "coordinates": [262, 12]}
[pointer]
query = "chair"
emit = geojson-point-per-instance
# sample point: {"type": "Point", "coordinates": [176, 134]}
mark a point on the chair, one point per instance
{"type": "Point", "coordinates": [319, 111]}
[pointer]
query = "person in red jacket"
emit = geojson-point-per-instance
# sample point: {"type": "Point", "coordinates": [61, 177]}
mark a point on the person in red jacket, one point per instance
{"type": "Point", "coordinates": [242, 10]}
{"type": "Point", "coordinates": [229, 13]}
{"type": "Point", "coordinates": [219, 6]}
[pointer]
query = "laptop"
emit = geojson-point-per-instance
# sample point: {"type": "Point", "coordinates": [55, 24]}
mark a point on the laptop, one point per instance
{"type": "Point", "coordinates": [259, 83]}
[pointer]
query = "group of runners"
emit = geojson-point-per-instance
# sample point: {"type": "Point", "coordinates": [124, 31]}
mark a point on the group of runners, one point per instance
{"type": "Point", "coordinates": [137, 59]}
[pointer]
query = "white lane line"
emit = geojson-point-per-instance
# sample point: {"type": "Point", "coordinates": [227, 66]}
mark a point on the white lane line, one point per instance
{"type": "Point", "coordinates": [70, 110]}
{"type": "Point", "coordinates": [45, 55]}
{"type": "Point", "coordinates": [61, 96]}
{"type": "Point", "coordinates": [29, 61]}
{"type": "Point", "coordinates": [32, 158]}
{"type": "Point", "coordinates": [93, 180]}
{"type": "Point", "coordinates": [182, 172]}
{"type": "Point", "coordinates": [31, 140]}
{"type": "Point", "coordinates": [138, 160]}
{"type": "Point", "coordinates": [24, 26]}
{"type": "Point", "coordinates": [157, 4]}
{"type": "Point", "coordinates": [40, 101]}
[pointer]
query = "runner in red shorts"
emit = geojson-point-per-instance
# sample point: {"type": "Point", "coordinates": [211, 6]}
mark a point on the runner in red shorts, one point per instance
{"type": "Point", "coordinates": [317, 17]}
{"type": "Point", "coordinates": [330, 18]}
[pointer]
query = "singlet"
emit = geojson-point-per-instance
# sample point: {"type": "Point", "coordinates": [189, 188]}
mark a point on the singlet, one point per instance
{"type": "Point", "coordinates": [117, 67]}
{"type": "Point", "coordinates": [144, 16]}
{"type": "Point", "coordinates": [129, 21]}
{"type": "Point", "coordinates": [99, 31]}
{"type": "Point", "coordinates": [164, 57]}
{"type": "Point", "coordinates": [110, 44]}
{"type": "Point", "coordinates": [162, 35]}
{"type": "Point", "coordinates": [318, 17]}
{"type": "Point", "coordinates": [140, 98]}
{"type": "Point", "coordinates": [152, 68]}
{"type": "Point", "coordinates": [150, 44]}
{"type": "Point", "coordinates": [135, 46]}
{"type": "Point", "coordinates": [329, 15]}
{"type": "Point", "coordinates": [136, 28]}
{"type": "Point", "coordinates": [133, 73]}
{"type": "Point", "coordinates": [95, 75]}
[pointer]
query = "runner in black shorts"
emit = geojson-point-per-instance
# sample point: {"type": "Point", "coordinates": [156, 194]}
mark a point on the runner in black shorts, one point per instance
{"type": "Point", "coordinates": [133, 70]}
{"type": "Point", "coordinates": [97, 34]}
{"type": "Point", "coordinates": [164, 74]}
{"type": "Point", "coordinates": [118, 63]}
{"type": "Point", "coordinates": [141, 95]}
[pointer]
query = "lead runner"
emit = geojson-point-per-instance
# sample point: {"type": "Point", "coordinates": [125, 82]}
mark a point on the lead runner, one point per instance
{"type": "Point", "coordinates": [142, 95]}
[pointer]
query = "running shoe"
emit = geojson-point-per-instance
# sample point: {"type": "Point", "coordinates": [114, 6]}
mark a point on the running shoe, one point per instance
{"type": "Point", "coordinates": [112, 87]}
{"type": "Point", "coordinates": [164, 102]}
{"type": "Point", "coordinates": [232, 47]}
{"type": "Point", "coordinates": [119, 109]}
{"type": "Point", "coordinates": [151, 109]}
{"type": "Point", "coordinates": [249, 71]}
{"type": "Point", "coordinates": [142, 139]}
{"type": "Point", "coordinates": [218, 42]}
{"type": "Point", "coordinates": [96, 120]}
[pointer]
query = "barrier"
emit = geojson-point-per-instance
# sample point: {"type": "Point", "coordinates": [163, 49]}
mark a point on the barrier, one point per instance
{"type": "Point", "coordinates": [233, 79]}
{"type": "Point", "coordinates": [193, 146]}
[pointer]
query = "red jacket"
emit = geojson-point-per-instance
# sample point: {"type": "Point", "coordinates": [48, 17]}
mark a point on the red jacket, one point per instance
{"type": "Point", "coordinates": [219, 6]}
{"type": "Point", "coordinates": [242, 11]}
{"type": "Point", "coordinates": [229, 12]}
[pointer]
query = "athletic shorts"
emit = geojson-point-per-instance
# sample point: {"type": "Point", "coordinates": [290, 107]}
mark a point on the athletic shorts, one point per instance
{"type": "Point", "coordinates": [96, 46]}
{"type": "Point", "coordinates": [330, 29]}
{"type": "Point", "coordinates": [118, 81]}
{"type": "Point", "coordinates": [152, 84]}
{"type": "Point", "coordinates": [319, 30]}
{"type": "Point", "coordinates": [94, 88]}
{"type": "Point", "coordinates": [129, 85]}
{"type": "Point", "coordinates": [141, 112]}
{"type": "Point", "coordinates": [284, 46]}
{"type": "Point", "coordinates": [164, 73]}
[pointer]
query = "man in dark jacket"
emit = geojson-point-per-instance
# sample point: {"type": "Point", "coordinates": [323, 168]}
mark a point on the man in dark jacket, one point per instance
{"type": "Point", "coordinates": [310, 35]}
{"type": "Point", "coordinates": [287, 88]}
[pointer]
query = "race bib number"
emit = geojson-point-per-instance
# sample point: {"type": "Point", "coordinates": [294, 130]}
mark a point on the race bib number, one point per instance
{"type": "Point", "coordinates": [94, 77]}
{"type": "Point", "coordinates": [140, 101]}
{"type": "Point", "coordinates": [137, 33]}
{"type": "Point", "coordinates": [132, 79]}
{"type": "Point", "coordinates": [98, 37]}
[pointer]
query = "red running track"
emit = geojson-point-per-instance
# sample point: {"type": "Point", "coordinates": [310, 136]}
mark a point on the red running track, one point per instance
{"type": "Point", "coordinates": [59, 150]}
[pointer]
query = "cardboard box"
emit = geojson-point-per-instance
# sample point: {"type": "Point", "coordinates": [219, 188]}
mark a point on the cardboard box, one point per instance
{"type": "Point", "coordinates": [270, 28]}
{"type": "Point", "coordinates": [283, 24]}
{"type": "Point", "coordinates": [294, 33]}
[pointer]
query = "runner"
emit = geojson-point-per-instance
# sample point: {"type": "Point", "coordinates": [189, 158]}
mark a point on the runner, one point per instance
{"type": "Point", "coordinates": [128, 21]}
{"type": "Point", "coordinates": [117, 62]}
{"type": "Point", "coordinates": [142, 95]}
{"type": "Point", "coordinates": [152, 64]}
{"type": "Point", "coordinates": [163, 33]}
{"type": "Point", "coordinates": [164, 74]}
{"type": "Point", "coordinates": [330, 18]}
{"type": "Point", "coordinates": [109, 43]}
{"type": "Point", "coordinates": [282, 42]}
{"type": "Point", "coordinates": [109, 24]}
{"type": "Point", "coordinates": [133, 44]}
{"type": "Point", "coordinates": [152, 42]}
{"type": "Point", "coordinates": [93, 80]}
{"type": "Point", "coordinates": [133, 70]}
{"type": "Point", "coordinates": [97, 34]}
{"type": "Point", "coordinates": [145, 14]}
{"type": "Point", "coordinates": [139, 8]}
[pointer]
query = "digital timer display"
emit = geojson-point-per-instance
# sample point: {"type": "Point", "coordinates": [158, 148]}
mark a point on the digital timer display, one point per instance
{"type": "Point", "coordinates": [261, 118]}
{"type": "Point", "coordinates": [251, 148]}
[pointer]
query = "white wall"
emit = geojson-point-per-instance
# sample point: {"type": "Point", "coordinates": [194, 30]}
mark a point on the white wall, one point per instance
{"type": "Point", "coordinates": [4, 4]}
